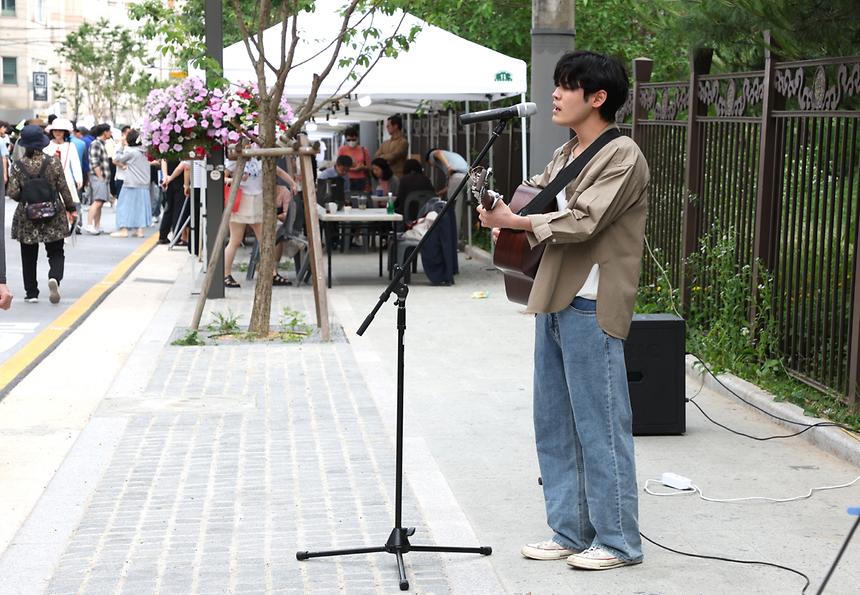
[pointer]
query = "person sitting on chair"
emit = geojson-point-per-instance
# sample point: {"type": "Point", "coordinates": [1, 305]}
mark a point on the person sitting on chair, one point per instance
{"type": "Point", "coordinates": [384, 180]}
{"type": "Point", "coordinates": [340, 169]}
{"type": "Point", "coordinates": [413, 179]}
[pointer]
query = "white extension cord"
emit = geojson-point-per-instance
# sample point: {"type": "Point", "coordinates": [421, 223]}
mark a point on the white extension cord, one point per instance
{"type": "Point", "coordinates": [684, 486]}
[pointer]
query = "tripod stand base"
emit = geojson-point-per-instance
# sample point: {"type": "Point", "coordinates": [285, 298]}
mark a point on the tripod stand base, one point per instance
{"type": "Point", "coordinates": [398, 544]}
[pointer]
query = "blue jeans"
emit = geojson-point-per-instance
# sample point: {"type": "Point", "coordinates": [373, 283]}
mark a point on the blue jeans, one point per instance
{"type": "Point", "coordinates": [583, 432]}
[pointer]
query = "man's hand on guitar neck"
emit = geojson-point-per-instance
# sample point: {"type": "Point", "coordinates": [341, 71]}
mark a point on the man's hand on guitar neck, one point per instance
{"type": "Point", "coordinates": [502, 217]}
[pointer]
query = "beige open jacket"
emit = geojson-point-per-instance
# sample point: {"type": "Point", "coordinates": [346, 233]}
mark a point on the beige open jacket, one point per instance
{"type": "Point", "coordinates": [604, 224]}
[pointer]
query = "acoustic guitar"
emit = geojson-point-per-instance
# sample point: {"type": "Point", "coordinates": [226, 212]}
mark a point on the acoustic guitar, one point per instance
{"type": "Point", "coordinates": [513, 255]}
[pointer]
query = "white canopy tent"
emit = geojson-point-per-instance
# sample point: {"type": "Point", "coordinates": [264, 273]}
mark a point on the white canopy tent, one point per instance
{"type": "Point", "coordinates": [438, 66]}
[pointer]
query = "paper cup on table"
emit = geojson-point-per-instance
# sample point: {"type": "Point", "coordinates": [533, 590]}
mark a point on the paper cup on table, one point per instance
{"type": "Point", "coordinates": [332, 207]}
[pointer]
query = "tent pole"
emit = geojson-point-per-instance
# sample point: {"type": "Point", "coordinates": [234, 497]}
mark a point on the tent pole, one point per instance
{"type": "Point", "coordinates": [409, 135]}
{"type": "Point", "coordinates": [468, 134]}
{"type": "Point", "coordinates": [524, 145]}
{"type": "Point", "coordinates": [451, 130]}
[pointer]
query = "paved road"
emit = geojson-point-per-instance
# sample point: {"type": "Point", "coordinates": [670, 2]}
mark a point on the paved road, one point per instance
{"type": "Point", "coordinates": [88, 260]}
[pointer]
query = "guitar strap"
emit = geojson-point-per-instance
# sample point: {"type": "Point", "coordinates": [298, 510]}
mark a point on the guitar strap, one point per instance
{"type": "Point", "coordinates": [548, 195]}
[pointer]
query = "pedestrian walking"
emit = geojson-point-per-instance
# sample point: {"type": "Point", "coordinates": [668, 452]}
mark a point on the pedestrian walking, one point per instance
{"type": "Point", "coordinates": [61, 147]}
{"type": "Point", "coordinates": [99, 178]}
{"type": "Point", "coordinates": [133, 209]}
{"type": "Point", "coordinates": [38, 177]}
{"type": "Point", "coordinates": [582, 298]}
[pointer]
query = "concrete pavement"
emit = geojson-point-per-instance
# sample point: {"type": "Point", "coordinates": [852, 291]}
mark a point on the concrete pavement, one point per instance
{"type": "Point", "coordinates": [203, 469]}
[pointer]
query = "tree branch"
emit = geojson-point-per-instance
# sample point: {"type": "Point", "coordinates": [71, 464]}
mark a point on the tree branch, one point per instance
{"type": "Point", "coordinates": [310, 107]}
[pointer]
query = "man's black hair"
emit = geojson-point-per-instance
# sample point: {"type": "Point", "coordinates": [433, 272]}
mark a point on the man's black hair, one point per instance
{"type": "Point", "coordinates": [344, 161]}
{"type": "Point", "coordinates": [412, 166]}
{"type": "Point", "coordinates": [124, 128]}
{"type": "Point", "coordinates": [51, 118]}
{"type": "Point", "coordinates": [592, 72]}
{"type": "Point", "coordinates": [133, 138]}
{"type": "Point", "coordinates": [98, 130]}
{"type": "Point", "coordinates": [352, 131]}
{"type": "Point", "coordinates": [396, 120]}
{"type": "Point", "coordinates": [82, 129]}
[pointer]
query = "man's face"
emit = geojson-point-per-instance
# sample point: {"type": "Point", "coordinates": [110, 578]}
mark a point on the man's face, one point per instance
{"type": "Point", "coordinates": [341, 170]}
{"type": "Point", "coordinates": [571, 108]}
{"type": "Point", "coordinates": [106, 135]}
{"type": "Point", "coordinates": [391, 127]}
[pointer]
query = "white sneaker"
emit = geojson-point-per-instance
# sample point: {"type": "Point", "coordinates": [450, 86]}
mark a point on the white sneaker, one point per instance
{"type": "Point", "coordinates": [54, 288]}
{"type": "Point", "coordinates": [598, 558]}
{"type": "Point", "coordinates": [92, 230]}
{"type": "Point", "coordinates": [546, 550]}
{"type": "Point", "coordinates": [32, 300]}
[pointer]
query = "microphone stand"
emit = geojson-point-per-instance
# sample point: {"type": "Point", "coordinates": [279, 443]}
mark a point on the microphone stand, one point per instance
{"type": "Point", "coordinates": [398, 540]}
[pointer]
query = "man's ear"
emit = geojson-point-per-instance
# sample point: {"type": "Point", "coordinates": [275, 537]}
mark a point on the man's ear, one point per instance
{"type": "Point", "coordinates": [598, 98]}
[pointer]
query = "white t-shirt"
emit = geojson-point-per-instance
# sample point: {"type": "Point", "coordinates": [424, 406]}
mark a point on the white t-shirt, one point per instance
{"type": "Point", "coordinates": [253, 184]}
{"type": "Point", "coordinates": [589, 288]}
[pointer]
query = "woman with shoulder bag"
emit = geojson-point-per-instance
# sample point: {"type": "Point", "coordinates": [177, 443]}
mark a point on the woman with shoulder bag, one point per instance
{"type": "Point", "coordinates": [47, 221]}
{"type": "Point", "coordinates": [61, 147]}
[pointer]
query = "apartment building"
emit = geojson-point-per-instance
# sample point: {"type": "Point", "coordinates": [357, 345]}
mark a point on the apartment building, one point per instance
{"type": "Point", "coordinates": [30, 32]}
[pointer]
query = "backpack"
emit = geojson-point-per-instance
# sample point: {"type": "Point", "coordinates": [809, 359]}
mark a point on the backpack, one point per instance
{"type": "Point", "coordinates": [38, 196]}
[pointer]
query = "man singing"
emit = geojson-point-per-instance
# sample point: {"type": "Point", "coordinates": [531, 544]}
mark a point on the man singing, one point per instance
{"type": "Point", "coordinates": [583, 297]}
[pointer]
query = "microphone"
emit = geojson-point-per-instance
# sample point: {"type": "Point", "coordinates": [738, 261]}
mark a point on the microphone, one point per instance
{"type": "Point", "coordinates": [520, 110]}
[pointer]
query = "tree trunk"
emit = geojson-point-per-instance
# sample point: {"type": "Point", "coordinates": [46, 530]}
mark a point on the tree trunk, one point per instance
{"type": "Point", "coordinates": [262, 308]}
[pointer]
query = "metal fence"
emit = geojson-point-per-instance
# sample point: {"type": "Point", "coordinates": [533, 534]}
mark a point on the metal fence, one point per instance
{"type": "Point", "coordinates": [772, 154]}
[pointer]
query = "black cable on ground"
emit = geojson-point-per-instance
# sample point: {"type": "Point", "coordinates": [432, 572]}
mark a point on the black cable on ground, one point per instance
{"type": "Point", "coordinates": [716, 423]}
{"type": "Point", "coordinates": [822, 424]}
{"type": "Point", "coordinates": [733, 560]}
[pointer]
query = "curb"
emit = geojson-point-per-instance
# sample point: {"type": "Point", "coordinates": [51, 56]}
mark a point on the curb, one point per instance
{"type": "Point", "coordinates": [836, 441]}
{"type": "Point", "coordinates": [29, 356]}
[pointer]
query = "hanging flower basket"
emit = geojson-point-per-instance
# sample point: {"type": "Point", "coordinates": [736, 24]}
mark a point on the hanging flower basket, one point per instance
{"type": "Point", "coordinates": [174, 126]}
{"type": "Point", "coordinates": [188, 120]}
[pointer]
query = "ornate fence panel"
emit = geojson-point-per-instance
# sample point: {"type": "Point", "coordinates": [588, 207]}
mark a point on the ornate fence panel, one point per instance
{"type": "Point", "coordinates": [660, 128]}
{"type": "Point", "coordinates": [728, 155]}
{"type": "Point", "coordinates": [775, 156]}
{"type": "Point", "coordinates": [816, 219]}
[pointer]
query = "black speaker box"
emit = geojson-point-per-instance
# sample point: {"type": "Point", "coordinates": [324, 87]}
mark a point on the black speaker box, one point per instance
{"type": "Point", "coordinates": [654, 353]}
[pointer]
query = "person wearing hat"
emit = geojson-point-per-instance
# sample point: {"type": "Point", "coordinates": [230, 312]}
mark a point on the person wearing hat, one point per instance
{"type": "Point", "coordinates": [61, 147]}
{"type": "Point", "coordinates": [29, 233]}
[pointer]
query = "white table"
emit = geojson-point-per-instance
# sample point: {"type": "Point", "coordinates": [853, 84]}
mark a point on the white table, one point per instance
{"type": "Point", "coordinates": [359, 216]}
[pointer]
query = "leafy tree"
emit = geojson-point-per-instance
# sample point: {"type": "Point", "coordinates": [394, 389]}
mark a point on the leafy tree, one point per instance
{"type": "Point", "coordinates": [107, 62]}
{"type": "Point", "coordinates": [366, 43]}
{"type": "Point", "coordinates": [181, 30]}
{"type": "Point", "coordinates": [802, 29]}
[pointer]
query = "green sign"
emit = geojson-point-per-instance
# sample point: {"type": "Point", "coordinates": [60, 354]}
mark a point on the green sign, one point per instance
{"type": "Point", "coordinates": [504, 76]}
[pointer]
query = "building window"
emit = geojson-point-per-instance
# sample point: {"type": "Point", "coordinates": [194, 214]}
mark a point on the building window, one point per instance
{"type": "Point", "coordinates": [7, 8]}
{"type": "Point", "coordinates": [40, 14]}
{"type": "Point", "coordinates": [9, 70]}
